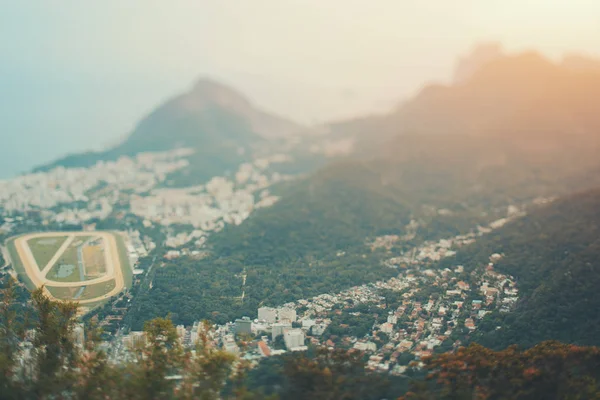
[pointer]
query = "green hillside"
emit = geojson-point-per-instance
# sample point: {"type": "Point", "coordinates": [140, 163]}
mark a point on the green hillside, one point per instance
{"type": "Point", "coordinates": [554, 253]}
{"type": "Point", "coordinates": [313, 240]}
{"type": "Point", "coordinates": [289, 251]}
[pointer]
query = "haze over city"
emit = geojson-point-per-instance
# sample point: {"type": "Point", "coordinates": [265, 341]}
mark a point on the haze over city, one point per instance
{"type": "Point", "coordinates": [300, 199]}
{"type": "Point", "coordinates": [78, 76]}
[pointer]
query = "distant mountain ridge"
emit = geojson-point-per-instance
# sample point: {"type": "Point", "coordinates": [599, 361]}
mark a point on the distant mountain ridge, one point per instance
{"type": "Point", "coordinates": [497, 95]}
{"type": "Point", "coordinates": [525, 96]}
{"type": "Point", "coordinates": [519, 128]}
{"type": "Point", "coordinates": [211, 117]}
{"type": "Point", "coordinates": [210, 111]}
{"type": "Point", "coordinates": [481, 54]}
{"type": "Point", "coordinates": [516, 128]}
{"type": "Point", "coordinates": [520, 124]}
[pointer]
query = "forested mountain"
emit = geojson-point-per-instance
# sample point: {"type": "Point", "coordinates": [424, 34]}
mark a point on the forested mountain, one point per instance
{"type": "Point", "coordinates": [220, 124]}
{"type": "Point", "coordinates": [444, 245]}
{"type": "Point", "coordinates": [554, 253]}
{"type": "Point", "coordinates": [510, 96]}
{"type": "Point", "coordinates": [518, 128]}
{"type": "Point", "coordinates": [290, 250]}
{"type": "Point", "coordinates": [450, 159]}
{"type": "Point", "coordinates": [550, 370]}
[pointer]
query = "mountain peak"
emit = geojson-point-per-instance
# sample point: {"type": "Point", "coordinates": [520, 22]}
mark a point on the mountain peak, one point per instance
{"type": "Point", "coordinates": [516, 69]}
{"type": "Point", "coordinates": [206, 92]}
{"type": "Point", "coordinates": [212, 88]}
{"type": "Point", "coordinates": [480, 55]}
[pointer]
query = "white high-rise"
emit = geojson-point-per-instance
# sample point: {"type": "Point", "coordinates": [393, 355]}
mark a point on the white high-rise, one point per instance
{"type": "Point", "coordinates": [267, 314]}
{"type": "Point", "coordinates": [79, 335]}
{"type": "Point", "coordinates": [279, 329]}
{"type": "Point", "coordinates": [287, 314]}
{"type": "Point", "coordinates": [294, 338]}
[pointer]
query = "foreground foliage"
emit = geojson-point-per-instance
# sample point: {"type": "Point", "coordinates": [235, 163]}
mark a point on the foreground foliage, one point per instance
{"type": "Point", "coordinates": [44, 360]}
{"type": "Point", "coordinates": [550, 370]}
{"type": "Point", "coordinates": [554, 254]}
{"type": "Point", "coordinates": [40, 358]}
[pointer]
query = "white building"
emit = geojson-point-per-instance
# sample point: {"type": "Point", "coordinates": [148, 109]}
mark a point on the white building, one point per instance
{"type": "Point", "coordinates": [294, 338]}
{"type": "Point", "coordinates": [134, 339]}
{"type": "Point", "coordinates": [243, 325]}
{"type": "Point", "coordinates": [267, 314]}
{"type": "Point", "coordinates": [279, 329]}
{"type": "Point", "coordinates": [287, 314]}
{"type": "Point", "coordinates": [367, 346]}
{"type": "Point", "coordinates": [229, 345]}
{"type": "Point", "coordinates": [194, 337]}
{"type": "Point", "coordinates": [307, 323]}
{"type": "Point", "coordinates": [386, 327]}
{"type": "Point", "coordinates": [260, 326]}
{"type": "Point", "coordinates": [79, 335]}
{"type": "Point", "coordinates": [181, 332]}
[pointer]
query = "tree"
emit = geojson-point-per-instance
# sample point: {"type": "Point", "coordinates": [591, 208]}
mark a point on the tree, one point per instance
{"type": "Point", "coordinates": [55, 355]}
{"type": "Point", "coordinates": [330, 374]}
{"type": "Point", "coordinates": [550, 370]}
{"type": "Point", "coordinates": [208, 371]}
{"type": "Point", "coordinates": [158, 357]}
{"type": "Point", "coordinates": [10, 335]}
{"type": "Point", "coordinates": [58, 368]}
{"type": "Point", "coordinates": [405, 358]}
{"type": "Point", "coordinates": [98, 379]}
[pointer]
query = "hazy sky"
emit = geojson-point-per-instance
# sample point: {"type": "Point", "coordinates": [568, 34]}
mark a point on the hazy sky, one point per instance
{"type": "Point", "coordinates": [77, 75]}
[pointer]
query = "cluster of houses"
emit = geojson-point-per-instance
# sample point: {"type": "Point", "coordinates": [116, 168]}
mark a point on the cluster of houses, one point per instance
{"type": "Point", "coordinates": [414, 329]}
{"type": "Point", "coordinates": [79, 196]}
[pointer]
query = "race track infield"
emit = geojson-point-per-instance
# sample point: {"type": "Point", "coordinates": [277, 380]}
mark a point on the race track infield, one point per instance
{"type": "Point", "coordinates": [86, 267]}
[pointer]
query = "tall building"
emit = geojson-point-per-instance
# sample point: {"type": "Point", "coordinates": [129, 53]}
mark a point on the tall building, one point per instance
{"type": "Point", "coordinates": [194, 337]}
{"type": "Point", "coordinates": [294, 338]}
{"type": "Point", "coordinates": [287, 314]}
{"type": "Point", "coordinates": [181, 333]}
{"type": "Point", "coordinates": [134, 340]}
{"type": "Point", "coordinates": [243, 325]}
{"type": "Point", "coordinates": [139, 338]}
{"type": "Point", "coordinates": [229, 345]}
{"type": "Point", "coordinates": [307, 323]}
{"type": "Point", "coordinates": [267, 314]}
{"type": "Point", "coordinates": [279, 329]}
{"type": "Point", "coordinates": [79, 335]}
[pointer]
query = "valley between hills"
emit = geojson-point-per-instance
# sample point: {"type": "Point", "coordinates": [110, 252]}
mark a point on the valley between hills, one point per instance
{"type": "Point", "coordinates": [468, 214]}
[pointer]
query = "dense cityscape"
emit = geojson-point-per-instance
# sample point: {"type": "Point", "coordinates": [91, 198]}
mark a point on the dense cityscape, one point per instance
{"type": "Point", "coordinates": [397, 336]}
{"type": "Point", "coordinates": [392, 229]}
{"type": "Point", "coordinates": [409, 332]}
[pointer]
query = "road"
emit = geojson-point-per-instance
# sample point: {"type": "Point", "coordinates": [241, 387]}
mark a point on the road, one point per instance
{"type": "Point", "coordinates": [80, 265]}
{"type": "Point", "coordinates": [38, 277]}
{"type": "Point", "coordinates": [56, 255]}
